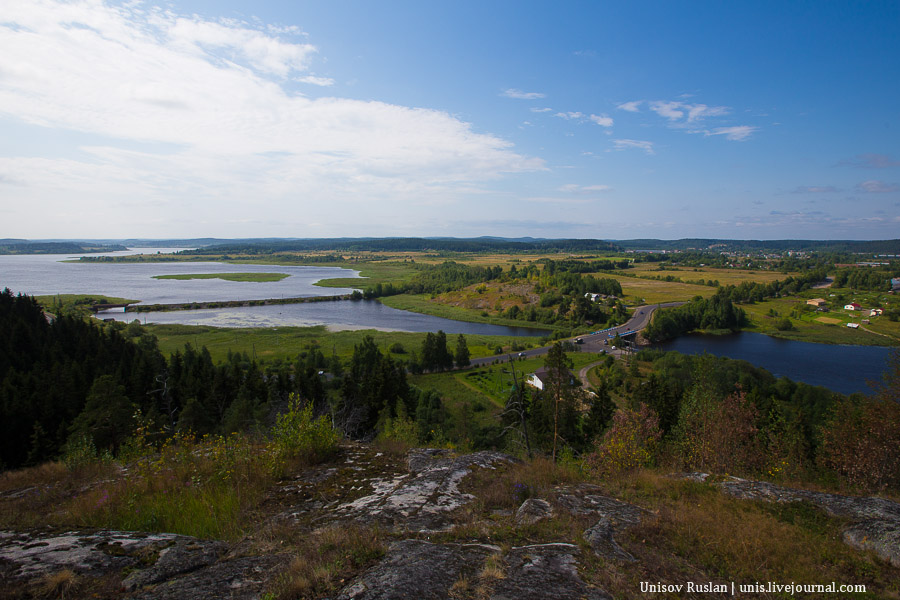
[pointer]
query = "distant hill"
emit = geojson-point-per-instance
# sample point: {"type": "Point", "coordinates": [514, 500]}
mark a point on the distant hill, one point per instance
{"type": "Point", "coordinates": [851, 246]}
{"type": "Point", "coordinates": [483, 244]}
{"type": "Point", "coordinates": [42, 247]}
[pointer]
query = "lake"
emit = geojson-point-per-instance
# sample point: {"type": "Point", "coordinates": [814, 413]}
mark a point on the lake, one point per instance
{"type": "Point", "coordinates": [47, 274]}
{"type": "Point", "coordinates": [844, 369]}
{"type": "Point", "coordinates": [336, 315]}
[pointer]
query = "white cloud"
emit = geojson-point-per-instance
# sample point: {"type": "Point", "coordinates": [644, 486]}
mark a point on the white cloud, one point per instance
{"type": "Point", "coordinates": [569, 115]}
{"type": "Point", "coordinates": [639, 144]}
{"type": "Point", "coordinates": [873, 186]}
{"type": "Point", "coordinates": [314, 80]}
{"type": "Point", "coordinates": [738, 133]}
{"type": "Point", "coordinates": [211, 94]}
{"type": "Point", "coordinates": [520, 95]}
{"type": "Point", "coordinates": [541, 110]}
{"type": "Point", "coordinates": [633, 106]}
{"type": "Point", "coordinates": [669, 110]}
{"type": "Point", "coordinates": [602, 120]}
{"type": "Point", "coordinates": [675, 111]}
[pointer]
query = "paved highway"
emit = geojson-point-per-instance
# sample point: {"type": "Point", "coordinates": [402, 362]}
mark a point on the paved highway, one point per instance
{"type": "Point", "coordinates": [593, 342]}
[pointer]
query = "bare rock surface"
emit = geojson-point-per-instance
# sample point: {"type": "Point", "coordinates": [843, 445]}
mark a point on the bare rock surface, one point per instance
{"type": "Point", "coordinates": [153, 556]}
{"type": "Point", "coordinates": [533, 510]}
{"type": "Point", "coordinates": [236, 579]}
{"type": "Point", "coordinates": [544, 572]}
{"type": "Point", "coordinates": [158, 565]}
{"type": "Point", "coordinates": [414, 569]}
{"type": "Point", "coordinates": [418, 570]}
{"type": "Point", "coordinates": [422, 499]}
{"type": "Point", "coordinates": [615, 516]}
{"type": "Point", "coordinates": [876, 520]}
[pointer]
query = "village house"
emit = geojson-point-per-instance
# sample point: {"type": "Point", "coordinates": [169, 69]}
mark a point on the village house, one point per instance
{"type": "Point", "coordinates": [541, 377]}
{"type": "Point", "coordinates": [852, 306]}
{"type": "Point", "coordinates": [816, 302]}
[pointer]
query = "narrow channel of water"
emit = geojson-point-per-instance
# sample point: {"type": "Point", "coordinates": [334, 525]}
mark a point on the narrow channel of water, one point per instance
{"type": "Point", "coordinates": [844, 369]}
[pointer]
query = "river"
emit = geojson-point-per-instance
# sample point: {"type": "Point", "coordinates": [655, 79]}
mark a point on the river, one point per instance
{"type": "Point", "coordinates": [844, 369]}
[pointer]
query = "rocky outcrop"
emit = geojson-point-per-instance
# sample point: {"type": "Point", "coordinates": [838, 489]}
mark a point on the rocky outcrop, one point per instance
{"type": "Point", "coordinates": [876, 521]}
{"type": "Point", "coordinates": [417, 569]}
{"type": "Point", "coordinates": [423, 499]}
{"type": "Point", "coordinates": [544, 572]}
{"type": "Point", "coordinates": [153, 557]}
{"type": "Point", "coordinates": [533, 510]}
{"type": "Point", "coordinates": [615, 516]}
{"type": "Point", "coordinates": [159, 565]}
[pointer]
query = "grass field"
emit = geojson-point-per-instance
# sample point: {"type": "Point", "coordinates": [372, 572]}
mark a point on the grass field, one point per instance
{"type": "Point", "coordinates": [254, 277]}
{"type": "Point", "coordinates": [422, 303]}
{"type": "Point", "coordinates": [823, 328]}
{"type": "Point", "coordinates": [648, 291]}
{"type": "Point", "coordinates": [723, 276]}
{"type": "Point", "coordinates": [285, 343]}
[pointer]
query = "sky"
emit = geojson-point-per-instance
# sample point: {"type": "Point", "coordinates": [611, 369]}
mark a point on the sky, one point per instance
{"type": "Point", "coordinates": [608, 120]}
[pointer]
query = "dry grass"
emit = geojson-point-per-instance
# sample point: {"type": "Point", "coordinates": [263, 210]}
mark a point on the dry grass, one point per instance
{"type": "Point", "coordinates": [508, 488]}
{"type": "Point", "coordinates": [62, 584]}
{"type": "Point", "coordinates": [700, 534]}
{"type": "Point", "coordinates": [327, 559]}
{"type": "Point", "coordinates": [34, 496]}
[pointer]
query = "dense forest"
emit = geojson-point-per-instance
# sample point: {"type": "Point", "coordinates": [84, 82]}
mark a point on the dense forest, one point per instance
{"type": "Point", "coordinates": [714, 313]}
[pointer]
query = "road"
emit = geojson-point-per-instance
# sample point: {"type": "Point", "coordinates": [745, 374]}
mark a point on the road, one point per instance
{"type": "Point", "coordinates": [593, 342]}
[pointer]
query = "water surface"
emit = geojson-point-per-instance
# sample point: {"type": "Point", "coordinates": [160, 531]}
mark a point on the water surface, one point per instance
{"type": "Point", "coordinates": [336, 315]}
{"type": "Point", "coordinates": [844, 369]}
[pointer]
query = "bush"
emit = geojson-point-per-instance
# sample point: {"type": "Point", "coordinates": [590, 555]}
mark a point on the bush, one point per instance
{"type": "Point", "coordinates": [297, 436]}
{"type": "Point", "coordinates": [784, 324]}
{"type": "Point", "coordinates": [630, 443]}
{"type": "Point", "coordinates": [719, 435]}
{"type": "Point", "coordinates": [860, 443]}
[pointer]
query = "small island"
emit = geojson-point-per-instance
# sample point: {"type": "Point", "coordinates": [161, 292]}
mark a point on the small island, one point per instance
{"type": "Point", "coordinates": [254, 277]}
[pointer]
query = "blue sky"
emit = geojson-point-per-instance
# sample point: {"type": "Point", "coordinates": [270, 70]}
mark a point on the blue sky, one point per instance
{"type": "Point", "coordinates": [757, 120]}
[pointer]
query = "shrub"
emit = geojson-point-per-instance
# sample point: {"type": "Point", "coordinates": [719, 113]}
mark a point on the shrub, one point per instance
{"type": "Point", "coordinates": [299, 437]}
{"type": "Point", "coordinates": [719, 435]}
{"type": "Point", "coordinates": [630, 443]}
{"type": "Point", "coordinates": [860, 442]}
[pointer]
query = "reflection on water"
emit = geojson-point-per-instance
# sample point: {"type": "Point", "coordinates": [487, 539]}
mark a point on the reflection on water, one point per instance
{"type": "Point", "coordinates": [844, 369]}
{"type": "Point", "coordinates": [336, 315]}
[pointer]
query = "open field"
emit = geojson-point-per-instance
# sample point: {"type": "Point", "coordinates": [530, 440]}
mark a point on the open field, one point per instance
{"type": "Point", "coordinates": [285, 343]}
{"type": "Point", "coordinates": [80, 299]}
{"type": "Point", "coordinates": [826, 328]}
{"type": "Point", "coordinates": [253, 277]}
{"type": "Point", "coordinates": [371, 272]}
{"type": "Point", "coordinates": [422, 303]}
{"type": "Point", "coordinates": [723, 276]}
{"type": "Point", "coordinates": [649, 291]}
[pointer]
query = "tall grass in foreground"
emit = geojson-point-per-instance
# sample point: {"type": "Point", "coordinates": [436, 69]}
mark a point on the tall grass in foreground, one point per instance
{"type": "Point", "coordinates": [201, 487]}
